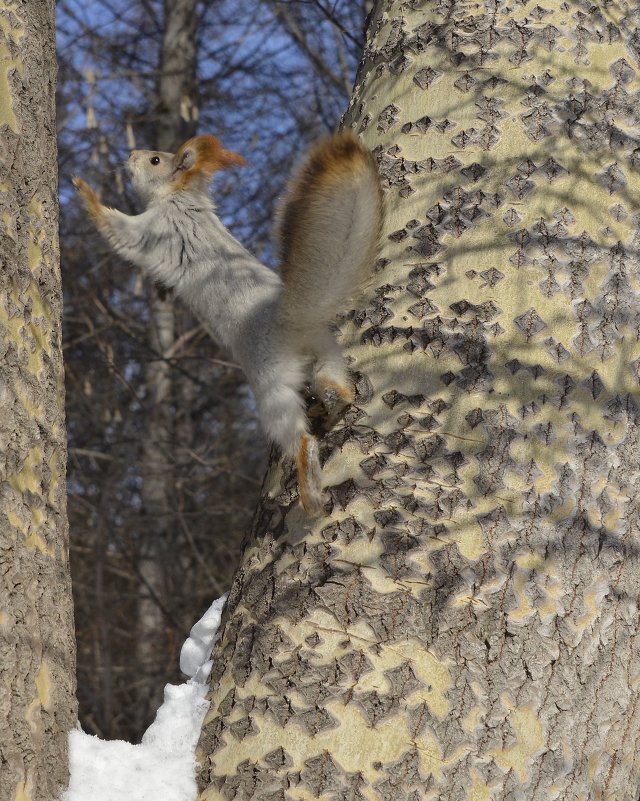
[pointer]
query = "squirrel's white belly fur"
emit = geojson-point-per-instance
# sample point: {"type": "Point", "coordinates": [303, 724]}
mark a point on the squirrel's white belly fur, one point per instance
{"type": "Point", "coordinates": [238, 300]}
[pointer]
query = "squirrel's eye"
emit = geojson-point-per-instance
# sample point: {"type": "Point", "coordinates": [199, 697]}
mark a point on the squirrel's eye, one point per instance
{"type": "Point", "coordinates": [155, 160]}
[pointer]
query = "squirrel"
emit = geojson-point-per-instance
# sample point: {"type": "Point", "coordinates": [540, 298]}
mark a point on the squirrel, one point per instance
{"type": "Point", "coordinates": [277, 326]}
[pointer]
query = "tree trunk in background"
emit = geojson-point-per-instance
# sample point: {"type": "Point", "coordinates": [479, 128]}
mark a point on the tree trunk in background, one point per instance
{"type": "Point", "coordinates": [177, 112]}
{"type": "Point", "coordinates": [465, 624]}
{"type": "Point", "coordinates": [37, 650]}
{"type": "Point", "coordinates": [176, 118]}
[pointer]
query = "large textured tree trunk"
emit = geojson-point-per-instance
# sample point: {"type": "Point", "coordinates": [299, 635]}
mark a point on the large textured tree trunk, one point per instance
{"type": "Point", "coordinates": [465, 625]}
{"type": "Point", "coordinates": [176, 115]}
{"type": "Point", "coordinates": [37, 650]}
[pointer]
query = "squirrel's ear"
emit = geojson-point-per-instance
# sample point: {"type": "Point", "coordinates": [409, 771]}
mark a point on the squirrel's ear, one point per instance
{"type": "Point", "coordinates": [199, 158]}
{"type": "Point", "coordinates": [205, 153]}
{"type": "Point", "coordinates": [185, 158]}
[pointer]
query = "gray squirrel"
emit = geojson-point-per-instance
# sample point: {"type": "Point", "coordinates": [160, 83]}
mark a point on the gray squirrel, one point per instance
{"type": "Point", "coordinates": [275, 325]}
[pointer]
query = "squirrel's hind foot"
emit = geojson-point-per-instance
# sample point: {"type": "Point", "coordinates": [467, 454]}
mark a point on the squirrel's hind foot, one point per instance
{"type": "Point", "coordinates": [309, 476]}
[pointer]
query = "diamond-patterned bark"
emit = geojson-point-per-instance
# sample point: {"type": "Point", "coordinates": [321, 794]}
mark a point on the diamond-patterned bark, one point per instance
{"type": "Point", "coordinates": [465, 623]}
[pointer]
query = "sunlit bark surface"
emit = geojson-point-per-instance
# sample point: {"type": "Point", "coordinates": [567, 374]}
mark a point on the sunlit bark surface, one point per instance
{"type": "Point", "coordinates": [37, 649]}
{"type": "Point", "coordinates": [465, 623]}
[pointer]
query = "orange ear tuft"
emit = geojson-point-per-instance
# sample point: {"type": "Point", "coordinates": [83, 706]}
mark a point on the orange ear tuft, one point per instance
{"type": "Point", "coordinates": [199, 157]}
{"type": "Point", "coordinates": [230, 158]}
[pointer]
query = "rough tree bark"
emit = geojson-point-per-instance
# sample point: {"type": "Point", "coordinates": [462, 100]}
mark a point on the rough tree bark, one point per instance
{"type": "Point", "coordinates": [37, 649]}
{"type": "Point", "coordinates": [176, 118]}
{"type": "Point", "coordinates": [465, 624]}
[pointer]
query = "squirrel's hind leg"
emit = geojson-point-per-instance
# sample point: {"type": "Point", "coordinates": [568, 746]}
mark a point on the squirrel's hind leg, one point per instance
{"type": "Point", "coordinates": [284, 418]}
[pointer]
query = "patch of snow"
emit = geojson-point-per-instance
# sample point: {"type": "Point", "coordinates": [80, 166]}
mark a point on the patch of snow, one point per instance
{"type": "Point", "coordinates": [163, 765]}
{"type": "Point", "coordinates": [196, 650]}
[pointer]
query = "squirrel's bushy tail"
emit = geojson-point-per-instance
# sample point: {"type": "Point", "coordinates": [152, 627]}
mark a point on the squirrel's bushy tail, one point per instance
{"type": "Point", "coordinates": [329, 230]}
{"type": "Point", "coordinates": [330, 226]}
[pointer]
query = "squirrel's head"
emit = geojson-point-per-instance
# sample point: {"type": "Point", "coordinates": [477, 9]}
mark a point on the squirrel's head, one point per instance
{"type": "Point", "coordinates": [156, 174]}
{"type": "Point", "coordinates": [150, 172]}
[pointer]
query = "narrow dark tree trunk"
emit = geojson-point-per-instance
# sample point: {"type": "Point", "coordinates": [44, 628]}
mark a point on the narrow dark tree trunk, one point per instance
{"type": "Point", "coordinates": [465, 624]}
{"type": "Point", "coordinates": [176, 118]}
{"type": "Point", "coordinates": [37, 649]}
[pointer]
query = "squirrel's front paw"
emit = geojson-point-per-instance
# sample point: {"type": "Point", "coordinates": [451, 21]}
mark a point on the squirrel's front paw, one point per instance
{"type": "Point", "coordinates": [89, 197]}
{"type": "Point", "coordinates": [84, 190]}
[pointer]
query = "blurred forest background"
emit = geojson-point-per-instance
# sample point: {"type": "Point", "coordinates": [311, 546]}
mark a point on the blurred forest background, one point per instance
{"type": "Point", "coordinates": [165, 455]}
